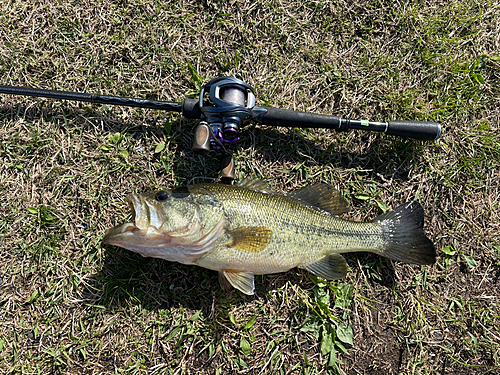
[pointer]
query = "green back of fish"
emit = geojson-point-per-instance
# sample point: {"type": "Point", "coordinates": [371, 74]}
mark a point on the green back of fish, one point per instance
{"type": "Point", "coordinates": [269, 233]}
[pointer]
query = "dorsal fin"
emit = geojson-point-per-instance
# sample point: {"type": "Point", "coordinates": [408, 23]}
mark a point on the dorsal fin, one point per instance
{"type": "Point", "coordinates": [322, 196]}
{"type": "Point", "coordinates": [255, 184]}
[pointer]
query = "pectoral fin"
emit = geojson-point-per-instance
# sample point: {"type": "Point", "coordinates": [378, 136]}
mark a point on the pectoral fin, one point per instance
{"type": "Point", "coordinates": [331, 267]}
{"type": "Point", "coordinates": [250, 239]}
{"type": "Point", "coordinates": [243, 281]}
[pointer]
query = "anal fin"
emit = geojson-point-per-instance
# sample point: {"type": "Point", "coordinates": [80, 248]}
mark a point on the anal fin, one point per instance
{"type": "Point", "coordinates": [243, 281]}
{"type": "Point", "coordinates": [331, 267]}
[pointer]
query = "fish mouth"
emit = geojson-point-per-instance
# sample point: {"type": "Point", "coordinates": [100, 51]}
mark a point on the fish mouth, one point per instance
{"type": "Point", "coordinates": [139, 225]}
{"type": "Point", "coordinates": [140, 212]}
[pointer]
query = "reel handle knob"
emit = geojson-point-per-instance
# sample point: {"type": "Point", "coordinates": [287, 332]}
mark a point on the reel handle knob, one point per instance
{"type": "Point", "coordinates": [201, 139]}
{"type": "Point", "coordinates": [227, 169]}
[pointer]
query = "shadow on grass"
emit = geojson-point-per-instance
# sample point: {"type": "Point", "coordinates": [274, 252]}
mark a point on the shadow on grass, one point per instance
{"type": "Point", "coordinates": [127, 279]}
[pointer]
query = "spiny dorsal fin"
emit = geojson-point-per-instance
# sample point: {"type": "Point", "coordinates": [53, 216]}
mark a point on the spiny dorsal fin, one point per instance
{"type": "Point", "coordinates": [243, 281]}
{"type": "Point", "coordinates": [322, 196]}
{"type": "Point", "coordinates": [250, 239]}
{"type": "Point", "coordinates": [331, 267]}
{"type": "Point", "coordinates": [255, 184]}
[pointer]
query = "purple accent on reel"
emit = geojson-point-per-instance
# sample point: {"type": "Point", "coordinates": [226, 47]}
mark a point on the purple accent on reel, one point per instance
{"type": "Point", "coordinates": [219, 135]}
{"type": "Point", "coordinates": [230, 132]}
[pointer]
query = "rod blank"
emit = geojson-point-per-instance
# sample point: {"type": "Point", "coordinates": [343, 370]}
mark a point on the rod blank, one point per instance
{"type": "Point", "coordinates": [92, 98]}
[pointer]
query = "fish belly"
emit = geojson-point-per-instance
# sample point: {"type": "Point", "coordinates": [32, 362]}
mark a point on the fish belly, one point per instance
{"type": "Point", "coordinates": [291, 248]}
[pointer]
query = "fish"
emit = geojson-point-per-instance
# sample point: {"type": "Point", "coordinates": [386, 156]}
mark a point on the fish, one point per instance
{"type": "Point", "coordinates": [247, 229]}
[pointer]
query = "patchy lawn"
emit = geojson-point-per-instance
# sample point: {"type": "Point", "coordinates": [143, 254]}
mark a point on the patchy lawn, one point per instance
{"type": "Point", "coordinates": [71, 305]}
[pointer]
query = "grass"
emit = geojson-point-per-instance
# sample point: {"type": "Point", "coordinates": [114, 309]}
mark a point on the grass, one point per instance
{"type": "Point", "coordinates": [70, 305]}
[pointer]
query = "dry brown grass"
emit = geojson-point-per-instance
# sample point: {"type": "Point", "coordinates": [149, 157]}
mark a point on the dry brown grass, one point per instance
{"type": "Point", "coordinates": [70, 305]}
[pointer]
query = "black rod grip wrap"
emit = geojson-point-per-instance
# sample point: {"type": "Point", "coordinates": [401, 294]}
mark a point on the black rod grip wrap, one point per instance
{"type": "Point", "coordinates": [414, 129]}
{"type": "Point", "coordinates": [293, 119]}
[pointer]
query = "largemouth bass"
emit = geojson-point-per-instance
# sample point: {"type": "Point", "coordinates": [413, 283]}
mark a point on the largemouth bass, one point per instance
{"type": "Point", "coordinates": [245, 230]}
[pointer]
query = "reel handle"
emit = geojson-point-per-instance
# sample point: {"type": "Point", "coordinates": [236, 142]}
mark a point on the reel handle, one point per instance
{"type": "Point", "coordinates": [227, 169]}
{"type": "Point", "coordinates": [201, 139]}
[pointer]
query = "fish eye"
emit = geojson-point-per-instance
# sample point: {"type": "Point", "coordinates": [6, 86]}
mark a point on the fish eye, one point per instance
{"type": "Point", "coordinates": [161, 196]}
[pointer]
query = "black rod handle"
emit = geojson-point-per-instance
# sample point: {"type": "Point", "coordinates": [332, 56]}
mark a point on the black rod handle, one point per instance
{"type": "Point", "coordinates": [294, 119]}
{"type": "Point", "coordinates": [414, 129]}
{"type": "Point", "coordinates": [92, 98]}
{"type": "Point", "coordinates": [287, 118]}
{"type": "Point", "coordinates": [191, 108]}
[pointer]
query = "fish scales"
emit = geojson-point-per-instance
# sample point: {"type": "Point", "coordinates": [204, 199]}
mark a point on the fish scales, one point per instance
{"type": "Point", "coordinates": [299, 234]}
{"type": "Point", "coordinates": [246, 230]}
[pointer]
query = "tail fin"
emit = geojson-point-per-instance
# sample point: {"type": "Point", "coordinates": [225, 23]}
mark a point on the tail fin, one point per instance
{"type": "Point", "coordinates": [405, 238]}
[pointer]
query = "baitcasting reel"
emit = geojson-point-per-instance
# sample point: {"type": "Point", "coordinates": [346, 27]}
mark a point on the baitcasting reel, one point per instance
{"type": "Point", "coordinates": [226, 104]}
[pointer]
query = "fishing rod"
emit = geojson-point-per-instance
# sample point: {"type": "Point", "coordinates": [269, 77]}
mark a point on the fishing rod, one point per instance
{"type": "Point", "coordinates": [226, 104]}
